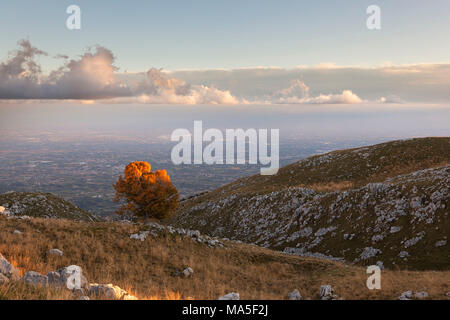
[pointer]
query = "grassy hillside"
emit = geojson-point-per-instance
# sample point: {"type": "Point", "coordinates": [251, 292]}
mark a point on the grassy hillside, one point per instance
{"type": "Point", "coordinates": [387, 203]}
{"type": "Point", "coordinates": [44, 205]}
{"type": "Point", "coordinates": [147, 268]}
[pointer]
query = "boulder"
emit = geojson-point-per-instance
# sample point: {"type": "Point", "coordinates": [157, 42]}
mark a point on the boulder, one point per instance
{"type": "Point", "coordinates": [407, 295]}
{"type": "Point", "coordinates": [35, 278]}
{"type": "Point", "coordinates": [140, 236]}
{"type": "Point", "coordinates": [230, 296]}
{"type": "Point", "coordinates": [187, 272]}
{"type": "Point", "coordinates": [110, 291]}
{"type": "Point", "coordinates": [55, 252]}
{"type": "Point", "coordinates": [327, 293]}
{"type": "Point", "coordinates": [17, 232]}
{"type": "Point", "coordinates": [8, 270]}
{"type": "Point", "coordinates": [72, 278]}
{"type": "Point", "coordinates": [295, 295]}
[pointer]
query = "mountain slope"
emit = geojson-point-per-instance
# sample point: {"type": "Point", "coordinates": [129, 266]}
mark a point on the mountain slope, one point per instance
{"type": "Point", "coordinates": [148, 268]}
{"type": "Point", "coordinates": [44, 205]}
{"type": "Point", "coordinates": [386, 204]}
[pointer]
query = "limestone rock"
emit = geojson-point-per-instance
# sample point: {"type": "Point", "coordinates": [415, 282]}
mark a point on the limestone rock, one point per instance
{"type": "Point", "coordinates": [35, 278]}
{"type": "Point", "coordinates": [55, 252]}
{"type": "Point", "coordinates": [295, 295]}
{"type": "Point", "coordinates": [230, 296]}
{"type": "Point", "coordinates": [110, 291]}
{"type": "Point", "coordinates": [8, 270]}
{"type": "Point", "coordinates": [187, 272]}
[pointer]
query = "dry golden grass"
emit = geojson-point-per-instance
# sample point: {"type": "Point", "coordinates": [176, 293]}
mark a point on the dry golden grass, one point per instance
{"type": "Point", "coordinates": [107, 255]}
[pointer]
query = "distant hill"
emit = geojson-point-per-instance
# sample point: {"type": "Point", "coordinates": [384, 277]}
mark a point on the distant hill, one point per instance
{"type": "Point", "coordinates": [43, 205]}
{"type": "Point", "coordinates": [386, 204]}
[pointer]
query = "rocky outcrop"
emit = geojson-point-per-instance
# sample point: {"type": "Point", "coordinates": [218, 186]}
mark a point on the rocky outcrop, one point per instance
{"type": "Point", "coordinates": [402, 221]}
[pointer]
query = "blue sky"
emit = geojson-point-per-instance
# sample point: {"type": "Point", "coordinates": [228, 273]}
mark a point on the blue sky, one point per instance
{"type": "Point", "coordinates": [230, 34]}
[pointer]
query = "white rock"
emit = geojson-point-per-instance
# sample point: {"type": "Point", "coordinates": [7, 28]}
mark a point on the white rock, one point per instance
{"type": "Point", "coordinates": [140, 236]}
{"type": "Point", "coordinates": [187, 272]}
{"type": "Point", "coordinates": [8, 270]}
{"type": "Point", "coordinates": [230, 296]}
{"type": "Point", "coordinates": [72, 278]}
{"type": "Point", "coordinates": [295, 295]}
{"type": "Point", "coordinates": [407, 295]}
{"type": "Point", "coordinates": [17, 232]}
{"type": "Point", "coordinates": [35, 278]}
{"type": "Point", "coordinates": [55, 252]}
{"type": "Point", "coordinates": [110, 291]}
{"type": "Point", "coordinates": [327, 293]}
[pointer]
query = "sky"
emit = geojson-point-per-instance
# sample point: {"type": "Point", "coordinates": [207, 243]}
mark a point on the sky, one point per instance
{"type": "Point", "coordinates": [226, 52]}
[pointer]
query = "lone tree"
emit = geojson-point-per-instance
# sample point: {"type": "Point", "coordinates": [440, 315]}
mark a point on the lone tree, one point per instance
{"type": "Point", "coordinates": [147, 194]}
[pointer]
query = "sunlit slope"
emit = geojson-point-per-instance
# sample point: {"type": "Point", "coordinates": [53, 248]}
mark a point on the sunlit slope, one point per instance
{"type": "Point", "coordinates": [148, 269]}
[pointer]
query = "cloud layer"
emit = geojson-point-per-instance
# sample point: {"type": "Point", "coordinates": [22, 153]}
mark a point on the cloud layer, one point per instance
{"type": "Point", "coordinates": [94, 77]}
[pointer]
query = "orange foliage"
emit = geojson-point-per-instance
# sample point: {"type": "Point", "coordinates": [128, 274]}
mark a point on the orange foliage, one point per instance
{"type": "Point", "coordinates": [147, 194]}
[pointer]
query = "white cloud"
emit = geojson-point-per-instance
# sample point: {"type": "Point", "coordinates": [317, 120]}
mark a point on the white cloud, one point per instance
{"type": "Point", "coordinates": [93, 77]}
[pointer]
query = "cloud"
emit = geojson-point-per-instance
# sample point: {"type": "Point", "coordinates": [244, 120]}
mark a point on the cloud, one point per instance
{"type": "Point", "coordinates": [298, 93]}
{"type": "Point", "coordinates": [415, 83]}
{"type": "Point", "coordinates": [93, 76]}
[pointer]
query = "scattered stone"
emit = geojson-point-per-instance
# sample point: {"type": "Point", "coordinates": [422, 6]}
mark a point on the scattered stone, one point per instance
{"type": "Point", "coordinates": [380, 264]}
{"type": "Point", "coordinates": [295, 295]}
{"type": "Point", "coordinates": [327, 293]}
{"type": "Point", "coordinates": [35, 278]}
{"type": "Point", "coordinates": [17, 232]}
{"type": "Point", "coordinates": [110, 291]}
{"type": "Point", "coordinates": [407, 295]}
{"type": "Point", "coordinates": [395, 229]}
{"type": "Point", "coordinates": [230, 296]}
{"type": "Point", "coordinates": [55, 252]}
{"type": "Point", "coordinates": [8, 270]}
{"type": "Point", "coordinates": [187, 272]}
{"type": "Point", "coordinates": [403, 254]}
{"type": "Point", "coordinates": [440, 243]}
{"type": "Point", "coordinates": [140, 236]}
{"type": "Point", "coordinates": [421, 295]}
